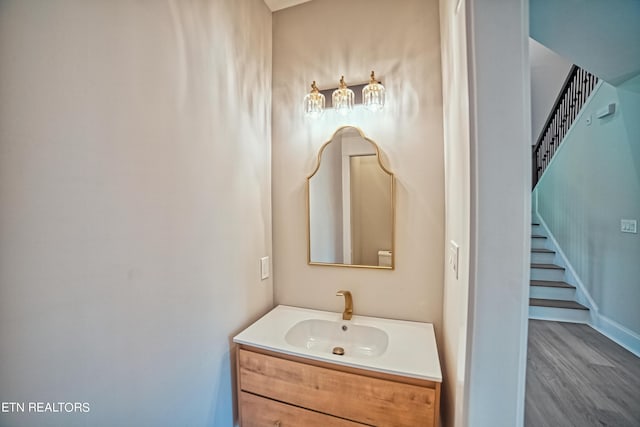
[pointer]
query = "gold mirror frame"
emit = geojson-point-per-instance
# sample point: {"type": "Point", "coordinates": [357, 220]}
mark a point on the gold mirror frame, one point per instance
{"type": "Point", "coordinates": [393, 202]}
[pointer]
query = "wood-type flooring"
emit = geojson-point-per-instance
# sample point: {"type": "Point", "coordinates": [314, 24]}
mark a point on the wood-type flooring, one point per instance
{"type": "Point", "coordinates": [577, 377]}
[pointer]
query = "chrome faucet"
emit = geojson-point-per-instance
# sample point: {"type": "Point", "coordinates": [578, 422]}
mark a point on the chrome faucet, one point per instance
{"type": "Point", "coordinates": [348, 304]}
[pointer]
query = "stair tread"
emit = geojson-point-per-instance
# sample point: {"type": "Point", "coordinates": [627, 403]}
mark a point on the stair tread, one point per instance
{"type": "Point", "coordinates": [538, 236]}
{"type": "Point", "coordinates": [552, 284]}
{"type": "Point", "coordinates": [535, 223]}
{"type": "Point", "coordinates": [556, 303]}
{"type": "Point", "coordinates": [547, 266]}
{"type": "Point", "coordinates": [543, 250]}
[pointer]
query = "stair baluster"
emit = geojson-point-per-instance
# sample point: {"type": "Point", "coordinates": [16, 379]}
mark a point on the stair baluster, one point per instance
{"type": "Point", "coordinates": [574, 93]}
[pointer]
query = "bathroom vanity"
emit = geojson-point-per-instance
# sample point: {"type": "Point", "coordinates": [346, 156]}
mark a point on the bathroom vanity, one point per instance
{"type": "Point", "coordinates": [387, 374]}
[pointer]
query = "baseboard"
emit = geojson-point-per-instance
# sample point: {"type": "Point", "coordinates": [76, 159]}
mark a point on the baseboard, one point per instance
{"type": "Point", "coordinates": [617, 333]}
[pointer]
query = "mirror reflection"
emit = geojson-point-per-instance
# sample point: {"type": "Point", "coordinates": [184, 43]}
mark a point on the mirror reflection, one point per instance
{"type": "Point", "coordinates": [350, 204]}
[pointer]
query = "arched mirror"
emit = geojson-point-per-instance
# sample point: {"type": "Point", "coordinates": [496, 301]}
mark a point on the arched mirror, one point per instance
{"type": "Point", "coordinates": [350, 204]}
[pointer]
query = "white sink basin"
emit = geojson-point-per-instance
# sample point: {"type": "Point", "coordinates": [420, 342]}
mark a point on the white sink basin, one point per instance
{"type": "Point", "coordinates": [325, 335]}
{"type": "Point", "coordinates": [391, 346]}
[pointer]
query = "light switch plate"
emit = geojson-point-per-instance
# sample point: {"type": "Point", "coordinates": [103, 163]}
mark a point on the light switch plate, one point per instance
{"type": "Point", "coordinates": [629, 226]}
{"type": "Point", "coordinates": [454, 252]}
{"type": "Point", "coordinates": [264, 267]}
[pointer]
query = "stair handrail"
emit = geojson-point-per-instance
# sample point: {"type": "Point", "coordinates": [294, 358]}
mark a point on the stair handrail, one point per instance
{"type": "Point", "coordinates": [572, 96]}
{"type": "Point", "coordinates": [556, 103]}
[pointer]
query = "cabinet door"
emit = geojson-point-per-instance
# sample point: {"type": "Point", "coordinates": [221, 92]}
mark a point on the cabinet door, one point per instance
{"type": "Point", "coordinates": [363, 399]}
{"type": "Point", "coordinates": [262, 412]}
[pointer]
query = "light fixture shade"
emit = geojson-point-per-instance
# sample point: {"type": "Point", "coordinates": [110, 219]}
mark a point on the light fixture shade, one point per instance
{"type": "Point", "coordinates": [343, 98]}
{"type": "Point", "coordinates": [314, 102]}
{"type": "Point", "coordinates": [373, 94]}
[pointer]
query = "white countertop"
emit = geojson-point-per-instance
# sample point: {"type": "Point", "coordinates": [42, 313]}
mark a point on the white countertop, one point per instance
{"type": "Point", "coordinates": [411, 351]}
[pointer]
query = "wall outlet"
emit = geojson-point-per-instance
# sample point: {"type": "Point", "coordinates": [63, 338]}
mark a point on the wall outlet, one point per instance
{"type": "Point", "coordinates": [629, 226]}
{"type": "Point", "coordinates": [264, 267]}
{"type": "Point", "coordinates": [454, 252]}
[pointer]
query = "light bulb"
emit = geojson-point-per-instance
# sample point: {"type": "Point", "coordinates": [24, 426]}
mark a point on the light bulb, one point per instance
{"type": "Point", "coordinates": [314, 102]}
{"type": "Point", "coordinates": [373, 94]}
{"type": "Point", "coordinates": [343, 98]}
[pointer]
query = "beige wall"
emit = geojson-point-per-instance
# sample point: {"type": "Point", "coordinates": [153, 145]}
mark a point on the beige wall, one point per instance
{"type": "Point", "coordinates": [457, 197]}
{"type": "Point", "coordinates": [321, 40]}
{"type": "Point", "coordinates": [135, 204]}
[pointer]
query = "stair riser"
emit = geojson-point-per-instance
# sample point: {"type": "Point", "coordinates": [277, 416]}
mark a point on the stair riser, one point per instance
{"type": "Point", "coordinates": [558, 314]}
{"type": "Point", "coordinates": [539, 243]}
{"type": "Point", "coordinates": [546, 292]}
{"type": "Point", "coordinates": [542, 258]}
{"type": "Point", "coordinates": [537, 229]}
{"type": "Point", "coordinates": [547, 274]}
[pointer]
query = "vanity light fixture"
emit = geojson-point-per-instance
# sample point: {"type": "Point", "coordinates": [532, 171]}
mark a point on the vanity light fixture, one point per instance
{"type": "Point", "coordinates": [314, 102]}
{"type": "Point", "coordinates": [373, 94]}
{"type": "Point", "coordinates": [343, 98]}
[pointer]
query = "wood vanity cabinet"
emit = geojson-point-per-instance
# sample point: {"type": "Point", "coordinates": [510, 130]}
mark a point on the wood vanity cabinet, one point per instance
{"type": "Point", "coordinates": [287, 391]}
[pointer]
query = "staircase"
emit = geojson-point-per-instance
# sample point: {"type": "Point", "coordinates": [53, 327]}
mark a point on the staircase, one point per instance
{"type": "Point", "coordinates": [550, 296]}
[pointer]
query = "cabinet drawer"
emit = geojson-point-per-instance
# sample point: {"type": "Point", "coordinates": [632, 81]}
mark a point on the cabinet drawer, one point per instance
{"type": "Point", "coordinates": [262, 412]}
{"type": "Point", "coordinates": [346, 395]}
